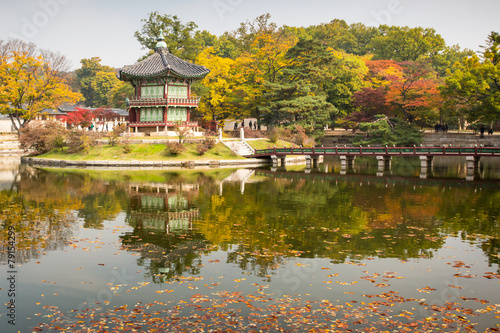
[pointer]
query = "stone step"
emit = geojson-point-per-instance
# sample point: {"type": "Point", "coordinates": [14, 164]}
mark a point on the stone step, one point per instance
{"type": "Point", "coordinates": [239, 148]}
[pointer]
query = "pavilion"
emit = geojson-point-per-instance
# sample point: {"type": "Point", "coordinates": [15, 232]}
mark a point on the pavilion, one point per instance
{"type": "Point", "coordinates": [163, 96]}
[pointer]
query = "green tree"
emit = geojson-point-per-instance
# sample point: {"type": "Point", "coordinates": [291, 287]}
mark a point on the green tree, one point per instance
{"type": "Point", "coordinates": [347, 72]}
{"type": "Point", "coordinates": [87, 76]}
{"type": "Point", "coordinates": [473, 88]}
{"type": "Point", "coordinates": [103, 84]}
{"type": "Point", "coordinates": [180, 37]}
{"type": "Point", "coordinates": [385, 131]}
{"type": "Point", "coordinates": [298, 96]}
{"type": "Point", "coordinates": [406, 44]}
{"type": "Point", "coordinates": [119, 93]}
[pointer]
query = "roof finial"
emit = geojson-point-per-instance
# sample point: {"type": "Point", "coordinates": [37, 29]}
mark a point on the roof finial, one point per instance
{"type": "Point", "coordinates": [160, 41]}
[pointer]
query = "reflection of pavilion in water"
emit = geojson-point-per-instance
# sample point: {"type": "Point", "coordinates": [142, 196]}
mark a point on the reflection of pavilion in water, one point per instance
{"type": "Point", "coordinates": [162, 207]}
{"type": "Point", "coordinates": [162, 217]}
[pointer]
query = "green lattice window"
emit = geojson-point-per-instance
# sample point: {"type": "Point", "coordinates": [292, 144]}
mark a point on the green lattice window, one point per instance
{"type": "Point", "coordinates": [177, 114]}
{"type": "Point", "coordinates": [153, 92]}
{"type": "Point", "coordinates": [178, 224]}
{"type": "Point", "coordinates": [156, 203]}
{"type": "Point", "coordinates": [151, 114]}
{"type": "Point", "coordinates": [177, 203]}
{"type": "Point", "coordinates": [178, 91]}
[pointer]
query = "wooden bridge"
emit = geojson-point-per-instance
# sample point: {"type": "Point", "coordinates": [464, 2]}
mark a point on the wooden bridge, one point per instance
{"type": "Point", "coordinates": [383, 154]}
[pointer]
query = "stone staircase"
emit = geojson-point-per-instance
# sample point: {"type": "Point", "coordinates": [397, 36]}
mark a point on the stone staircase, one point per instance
{"type": "Point", "coordinates": [240, 148]}
{"type": "Point", "coordinates": [9, 145]}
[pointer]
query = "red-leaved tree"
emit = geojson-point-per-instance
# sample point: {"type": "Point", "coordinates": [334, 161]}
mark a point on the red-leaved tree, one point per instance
{"type": "Point", "coordinates": [80, 117]}
{"type": "Point", "coordinates": [415, 95]}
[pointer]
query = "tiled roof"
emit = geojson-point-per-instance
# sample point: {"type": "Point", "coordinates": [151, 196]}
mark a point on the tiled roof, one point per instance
{"type": "Point", "coordinates": [161, 62]}
{"type": "Point", "coordinates": [52, 111]}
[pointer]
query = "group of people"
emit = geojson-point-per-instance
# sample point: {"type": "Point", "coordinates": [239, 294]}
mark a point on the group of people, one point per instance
{"type": "Point", "coordinates": [441, 127]}
{"type": "Point", "coordinates": [482, 129]}
{"type": "Point", "coordinates": [250, 125]}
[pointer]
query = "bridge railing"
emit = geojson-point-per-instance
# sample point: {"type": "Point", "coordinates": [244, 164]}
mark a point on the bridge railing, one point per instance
{"type": "Point", "coordinates": [485, 151]}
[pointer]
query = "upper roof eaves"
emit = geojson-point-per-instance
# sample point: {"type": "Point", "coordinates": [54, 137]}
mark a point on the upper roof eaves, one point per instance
{"type": "Point", "coordinates": [162, 62]}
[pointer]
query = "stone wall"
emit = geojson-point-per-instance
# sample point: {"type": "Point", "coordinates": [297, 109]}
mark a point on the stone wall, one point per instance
{"type": "Point", "coordinates": [460, 139]}
{"type": "Point", "coordinates": [430, 139]}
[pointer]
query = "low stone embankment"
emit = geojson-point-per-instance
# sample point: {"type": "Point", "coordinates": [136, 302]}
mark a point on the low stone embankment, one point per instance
{"type": "Point", "coordinates": [460, 139]}
{"type": "Point", "coordinates": [157, 164]}
{"type": "Point", "coordinates": [340, 138]}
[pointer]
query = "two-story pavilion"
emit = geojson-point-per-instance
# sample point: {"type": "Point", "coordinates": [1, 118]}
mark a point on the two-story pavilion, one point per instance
{"type": "Point", "coordinates": [162, 85]}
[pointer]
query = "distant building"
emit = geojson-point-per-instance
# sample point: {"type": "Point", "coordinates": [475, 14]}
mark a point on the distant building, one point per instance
{"type": "Point", "coordinates": [163, 96]}
{"type": "Point", "coordinates": [6, 124]}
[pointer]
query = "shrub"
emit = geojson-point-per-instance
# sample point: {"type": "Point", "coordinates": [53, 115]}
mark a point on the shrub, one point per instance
{"type": "Point", "coordinates": [41, 137]}
{"type": "Point", "coordinates": [115, 134]}
{"type": "Point", "coordinates": [385, 131]}
{"type": "Point", "coordinates": [81, 140]}
{"type": "Point", "coordinates": [274, 134]}
{"type": "Point", "coordinates": [201, 149]}
{"type": "Point", "coordinates": [250, 134]}
{"type": "Point", "coordinates": [174, 148]}
{"type": "Point", "coordinates": [127, 148]}
{"type": "Point", "coordinates": [209, 143]}
{"type": "Point", "coordinates": [183, 132]}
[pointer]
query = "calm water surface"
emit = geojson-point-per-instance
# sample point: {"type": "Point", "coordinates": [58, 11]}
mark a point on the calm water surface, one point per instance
{"type": "Point", "coordinates": [251, 249]}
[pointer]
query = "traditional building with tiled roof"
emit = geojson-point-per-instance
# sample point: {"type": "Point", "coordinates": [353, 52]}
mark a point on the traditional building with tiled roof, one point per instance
{"type": "Point", "coordinates": [162, 85]}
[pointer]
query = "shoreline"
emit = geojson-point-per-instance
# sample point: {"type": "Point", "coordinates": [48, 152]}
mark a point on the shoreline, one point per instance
{"type": "Point", "coordinates": [137, 163]}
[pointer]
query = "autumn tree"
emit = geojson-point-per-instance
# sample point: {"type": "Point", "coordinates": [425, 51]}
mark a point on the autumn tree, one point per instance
{"type": "Point", "coordinates": [372, 98]}
{"type": "Point", "coordinates": [103, 115]}
{"type": "Point", "coordinates": [260, 63]}
{"type": "Point", "coordinates": [217, 87]}
{"type": "Point", "coordinates": [415, 95]}
{"type": "Point", "coordinates": [31, 80]}
{"type": "Point", "coordinates": [81, 117]}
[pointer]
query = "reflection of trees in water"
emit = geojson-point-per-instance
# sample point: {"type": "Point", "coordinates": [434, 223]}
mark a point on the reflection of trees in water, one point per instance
{"type": "Point", "coordinates": [39, 227]}
{"type": "Point", "coordinates": [94, 200]}
{"type": "Point", "coordinates": [165, 255]}
{"type": "Point", "coordinates": [337, 220]}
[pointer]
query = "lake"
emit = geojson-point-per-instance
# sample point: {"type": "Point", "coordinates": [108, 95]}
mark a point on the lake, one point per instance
{"type": "Point", "coordinates": [233, 250]}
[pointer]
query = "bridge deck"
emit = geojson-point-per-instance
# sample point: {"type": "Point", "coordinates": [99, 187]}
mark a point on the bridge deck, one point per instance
{"type": "Point", "coordinates": [379, 151]}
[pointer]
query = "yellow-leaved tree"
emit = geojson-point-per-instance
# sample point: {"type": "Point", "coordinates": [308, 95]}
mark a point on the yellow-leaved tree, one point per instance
{"type": "Point", "coordinates": [31, 80]}
{"type": "Point", "coordinates": [217, 87]}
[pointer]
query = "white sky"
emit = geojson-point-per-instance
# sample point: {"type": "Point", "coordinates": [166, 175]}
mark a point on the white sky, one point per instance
{"type": "Point", "coordinates": [88, 28]}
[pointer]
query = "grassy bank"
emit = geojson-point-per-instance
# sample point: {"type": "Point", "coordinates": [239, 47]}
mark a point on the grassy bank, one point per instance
{"type": "Point", "coordinates": [142, 152]}
{"type": "Point", "coordinates": [155, 152]}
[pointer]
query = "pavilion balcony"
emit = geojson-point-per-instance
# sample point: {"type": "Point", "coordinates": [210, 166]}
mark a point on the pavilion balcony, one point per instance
{"type": "Point", "coordinates": [173, 101]}
{"type": "Point", "coordinates": [163, 124]}
{"type": "Point", "coordinates": [183, 101]}
{"type": "Point", "coordinates": [148, 102]}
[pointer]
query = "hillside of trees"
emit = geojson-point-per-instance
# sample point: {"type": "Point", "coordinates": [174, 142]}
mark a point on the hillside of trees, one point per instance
{"type": "Point", "coordinates": [330, 74]}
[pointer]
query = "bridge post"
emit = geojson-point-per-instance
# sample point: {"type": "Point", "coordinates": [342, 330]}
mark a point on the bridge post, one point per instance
{"type": "Point", "coordinates": [347, 161]}
{"type": "Point", "coordinates": [384, 163]}
{"type": "Point", "coordinates": [472, 162]}
{"type": "Point", "coordinates": [311, 161]}
{"type": "Point", "coordinates": [283, 161]}
{"type": "Point", "coordinates": [274, 159]}
{"type": "Point", "coordinates": [426, 162]}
